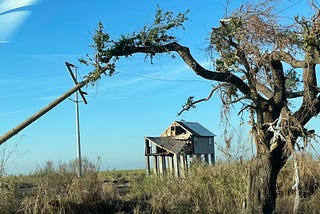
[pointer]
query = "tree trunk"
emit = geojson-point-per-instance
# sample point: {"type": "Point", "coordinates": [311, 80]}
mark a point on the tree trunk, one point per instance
{"type": "Point", "coordinates": [262, 180]}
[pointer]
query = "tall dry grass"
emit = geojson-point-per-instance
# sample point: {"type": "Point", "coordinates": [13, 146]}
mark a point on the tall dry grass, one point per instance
{"type": "Point", "coordinates": [309, 183]}
{"type": "Point", "coordinates": [205, 189]}
{"type": "Point", "coordinates": [222, 188]}
{"type": "Point", "coordinates": [59, 190]}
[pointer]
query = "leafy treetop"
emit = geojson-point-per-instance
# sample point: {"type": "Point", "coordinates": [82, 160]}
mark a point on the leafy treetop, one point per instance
{"type": "Point", "coordinates": [149, 40]}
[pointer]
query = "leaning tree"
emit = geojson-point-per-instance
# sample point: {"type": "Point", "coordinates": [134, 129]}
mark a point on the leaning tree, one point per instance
{"type": "Point", "coordinates": [258, 62]}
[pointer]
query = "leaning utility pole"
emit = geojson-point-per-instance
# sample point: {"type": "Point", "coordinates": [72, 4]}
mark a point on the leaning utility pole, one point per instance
{"type": "Point", "coordinates": [82, 93]}
{"type": "Point", "coordinates": [43, 111]}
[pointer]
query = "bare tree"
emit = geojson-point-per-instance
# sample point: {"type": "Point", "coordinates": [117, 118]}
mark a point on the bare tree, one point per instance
{"type": "Point", "coordinates": [6, 155]}
{"type": "Point", "coordinates": [259, 62]}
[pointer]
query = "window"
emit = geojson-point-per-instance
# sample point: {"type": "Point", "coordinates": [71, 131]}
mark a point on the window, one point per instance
{"type": "Point", "coordinates": [179, 130]}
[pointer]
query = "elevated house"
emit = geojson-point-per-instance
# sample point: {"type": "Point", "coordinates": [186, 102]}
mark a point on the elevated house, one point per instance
{"type": "Point", "coordinates": [178, 147]}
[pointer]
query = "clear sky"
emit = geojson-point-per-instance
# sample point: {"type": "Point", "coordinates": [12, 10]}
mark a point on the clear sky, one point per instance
{"type": "Point", "coordinates": [142, 99]}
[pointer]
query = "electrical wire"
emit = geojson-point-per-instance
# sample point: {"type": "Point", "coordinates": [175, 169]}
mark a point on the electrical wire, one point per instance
{"type": "Point", "coordinates": [162, 79]}
{"type": "Point", "coordinates": [290, 6]}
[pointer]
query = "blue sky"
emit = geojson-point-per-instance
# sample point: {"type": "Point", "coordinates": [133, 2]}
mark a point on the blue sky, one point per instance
{"type": "Point", "coordinates": [142, 99]}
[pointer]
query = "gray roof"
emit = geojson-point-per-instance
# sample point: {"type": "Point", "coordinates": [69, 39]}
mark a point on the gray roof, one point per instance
{"type": "Point", "coordinates": [196, 128]}
{"type": "Point", "coordinates": [168, 143]}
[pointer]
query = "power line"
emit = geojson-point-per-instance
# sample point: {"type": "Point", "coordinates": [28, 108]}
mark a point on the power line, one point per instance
{"type": "Point", "coordinates": [162, 79]}
{"type": "Point", "coordinates": [290, 6]}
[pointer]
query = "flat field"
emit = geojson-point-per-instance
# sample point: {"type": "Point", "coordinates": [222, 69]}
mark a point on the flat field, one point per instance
{"type": "Point", "coordinates": [204, 189]}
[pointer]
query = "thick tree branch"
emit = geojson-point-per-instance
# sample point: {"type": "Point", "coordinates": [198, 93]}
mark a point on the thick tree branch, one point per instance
{"type": "Point", "coordinates": [309, 83]}
{"type": "Point", "coordinates": [185, 54]}
{"type": "Point", "coordinates": [306, 112]}
{"type": "Point", "coordinates": [288, 58]}
{"type": "Point", "coordinates": [291, 95]}
{"type": "Point", "coordinates": [265, 90]}
{"type": "Point", "coordinates": [279, 97]}
{"type": "Point", "coordinates": [297, 94]}
{"type": "Point", "coordinates": [310, 106]}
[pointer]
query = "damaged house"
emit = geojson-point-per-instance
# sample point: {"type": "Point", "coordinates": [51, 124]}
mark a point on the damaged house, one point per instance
{"type": "Point", "coordinates": [180, 145]}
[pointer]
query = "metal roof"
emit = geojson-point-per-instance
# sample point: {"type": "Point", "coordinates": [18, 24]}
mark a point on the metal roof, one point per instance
{"type": "Point", "coordinates": [168, 143]}
{"type": "Point", "coordinates": [196, 128]}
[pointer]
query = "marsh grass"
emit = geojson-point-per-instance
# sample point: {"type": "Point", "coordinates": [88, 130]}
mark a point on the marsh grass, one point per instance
{"type": "Point", "coordinates": [60, 190]}
{"type": "Point", "coordinates": [205, 189]}
{"type": "Point", "coordinates": [309, 192]}
{"type": "Point", "coordinates": [8, 197]}
{"type": "Point", "coordinates": [57, 189]}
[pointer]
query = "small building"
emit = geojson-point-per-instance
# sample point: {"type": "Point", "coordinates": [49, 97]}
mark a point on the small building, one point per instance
{"type": "Point", "coordinates": [181, 144]}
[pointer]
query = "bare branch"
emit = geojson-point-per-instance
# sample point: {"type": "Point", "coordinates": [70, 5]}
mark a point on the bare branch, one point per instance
{"type": "Point", "coordinates": [190, 105]}
{"type": "Point", "coordinates": [235, 100]}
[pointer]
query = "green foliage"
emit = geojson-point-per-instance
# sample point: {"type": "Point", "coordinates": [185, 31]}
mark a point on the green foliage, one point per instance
{"type": "Point", "coordinates": [189, 104]}
{"type": "Point", "coordinates": [100, 39]}
{"type": "Point", "coordinates": [292, 80]}
{"type": "Point", "coordinates": [309, 36]}
{"type": "Point", "coordinates": [220, 37]}
{"type": "Point", "coordinates": [101, 45]}
{"type": "Point", "coordinates": [149, 38]}
{"type": "Point", "coordinates": [157, 33]}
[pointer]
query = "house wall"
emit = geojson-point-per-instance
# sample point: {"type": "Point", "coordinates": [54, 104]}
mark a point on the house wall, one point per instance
{"type": "Point", "coordinates": [203, 145]}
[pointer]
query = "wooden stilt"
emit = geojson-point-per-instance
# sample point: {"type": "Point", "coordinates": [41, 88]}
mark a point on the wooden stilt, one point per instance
{"type": "Point", "coordinates": [176, 165]}
{"type": "Point", "coordinates": [186, 163]}
{"type": "Point", "coordinates": [182, 165]}
{"type": "Point", "coordinates": [170, 165]}
{"type": "Point", "coordinates": [147, 157]}
{"type": "Point", "coordinates": [212, 157]}
{"type": "Point", "coordinates": [147, 164]}
{"type": "Point", "coordinates": [162, 165]}
{"type": "Point", "coordinates": [155, 165]}
{"type": "Point", "coordinates": [206, 158]}
{"type": "Point", "coordinates": [191, 160]}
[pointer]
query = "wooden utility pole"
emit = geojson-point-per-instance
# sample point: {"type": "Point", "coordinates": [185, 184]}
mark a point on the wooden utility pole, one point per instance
{"type": "Point", "coordinates": [74, 77]}
{"type": "Point", "coordinates": [43, 111]}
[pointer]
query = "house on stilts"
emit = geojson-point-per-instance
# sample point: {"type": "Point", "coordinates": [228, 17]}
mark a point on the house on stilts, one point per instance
{"type": "Point", "coordinates": [180, 145]}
